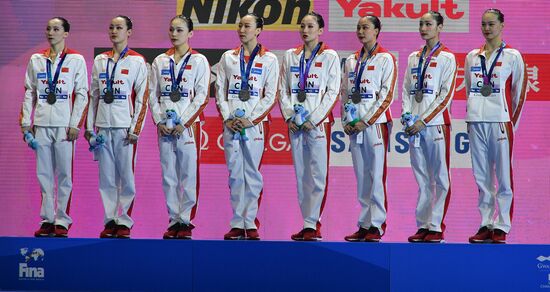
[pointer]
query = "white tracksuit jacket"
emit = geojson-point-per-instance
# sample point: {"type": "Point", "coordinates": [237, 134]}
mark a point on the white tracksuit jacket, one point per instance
{"type": "Point", "coordinates": [244, 157]}
{"type": "Point", "coordinates": [378, 88]}
{"type": "Point", "coordinates": [124, 116]}
{"type": "Point", "coordinates": [431, 161]}
{"type": "Point", "coordinates": [179, 156]}
{"type": "Point", "coordinates": [492, 121]}
{"type": "Point", "coordinates": [55, 154]}
{"type": "Point", "coordinates": [311, 150]}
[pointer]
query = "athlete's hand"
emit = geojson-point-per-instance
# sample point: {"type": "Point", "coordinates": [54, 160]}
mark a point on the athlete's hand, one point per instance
{"type": "Point", "coordinates": [292, 127]}
{"type": "Point", "coordinates": [87, 135]}
{"type": "Point", "coordinates": [245, 123]}
{"type": "Point", "coordinates": [415, 128]}
{"type": "Point", "coordinates": [132, 139]}
{"type": "Point", "coordinates": [349, 130]}
{"type": "Point", "coordinates": [72, 134]}
{"type": "Point", "coordinates": [163, 130]}
{"type": "Point", "coordinates": [23, 129]}
{"type": "Point", "coordinates": [233, 125]}
{"type": "Point", "coordinates": [178, 130]}
{"type": "Point", "coordinates": [307, 126]}
{"type": "Point", "coordinates": [360, 126]}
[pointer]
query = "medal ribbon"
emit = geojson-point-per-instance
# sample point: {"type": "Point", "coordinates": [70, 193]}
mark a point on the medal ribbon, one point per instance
{"type": "Point", "coordinates": [428, 59]}
{"type": "Point", "coordinates": [176, 82]}
{"type": "Point", "coordinates": [362, 68]}
{"type": "Point", "coordinates": [53, 83]}
{"type": "Point", "coordinates": [305, 72]}
{"type": "Point", "coordinates": [487, 76]}
{"type": "Point", "coordinates": [246, 73]}
{"type": "Point", "coordinates": [111, 80]}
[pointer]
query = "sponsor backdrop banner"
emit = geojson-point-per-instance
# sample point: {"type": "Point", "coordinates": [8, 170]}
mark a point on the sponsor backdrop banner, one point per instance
{"type": "Point", "coordinates": [398, 15]}
{"type": "Point", "coordinates": [216, 22]}
{"type": "Point", "coordinates": [223, 14]}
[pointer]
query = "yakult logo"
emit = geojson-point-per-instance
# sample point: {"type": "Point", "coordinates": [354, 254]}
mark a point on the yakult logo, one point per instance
{"type": "Point", "coordinates": [60, 81]}
{"type": "Point", "coordinates": [398, 15]}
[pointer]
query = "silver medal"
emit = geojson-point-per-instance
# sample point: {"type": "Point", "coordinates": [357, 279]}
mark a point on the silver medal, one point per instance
{"type": "Point", "coordinates": [301, 95]}
{"type": "Point", "coordinates": [418, 96]}
{"type": "Point", "coordinates": [175, 95]}
{"type": "Point", "coordinates": [486, 89]}
{"type": "Point", "coordinates": [51, 99]}
{"type": "Point", "coordinates": [244, 95]}
{"type": "Point", "coordinates": [109, 97]}
{"type": "Point", "coordinates": [356, 97]}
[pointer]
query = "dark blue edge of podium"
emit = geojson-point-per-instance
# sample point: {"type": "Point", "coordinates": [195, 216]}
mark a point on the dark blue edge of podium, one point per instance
{"type": "Point", "coordinates": [201, 265]}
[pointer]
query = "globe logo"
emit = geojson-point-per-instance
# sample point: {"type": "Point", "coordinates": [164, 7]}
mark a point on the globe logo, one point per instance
{"type": "Point", "coordinates": [36, 255]}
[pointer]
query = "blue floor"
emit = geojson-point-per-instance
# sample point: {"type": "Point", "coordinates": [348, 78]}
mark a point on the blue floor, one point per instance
{"type": "Point", "coordinates": [154, 265]}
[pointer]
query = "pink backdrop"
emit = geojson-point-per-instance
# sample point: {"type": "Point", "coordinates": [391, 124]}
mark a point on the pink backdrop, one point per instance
{"type": "Point", "coordinates": [24, 23]}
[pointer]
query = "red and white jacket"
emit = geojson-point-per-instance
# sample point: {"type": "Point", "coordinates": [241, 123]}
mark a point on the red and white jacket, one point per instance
{"type": "Point", "coordinates": [439, 87]}
{"type": "Point", "coordinates": [262, 83]}
{"type": "Point", "coordinates": [194, 87]}
{"type": "Point", "coordinates": [378, 85]}
{"type": "Point", "coordinates": [322, 88]}
{"type": "Point", "coordinates": [509, 87]}
{"type": "Point", "coordinates": [71, 91]}
{"type": "Point", "coordinates": [129, 108]}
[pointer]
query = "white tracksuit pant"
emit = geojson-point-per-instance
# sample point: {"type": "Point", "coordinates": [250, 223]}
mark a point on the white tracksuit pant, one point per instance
{"type": "Point", "coordinates": [116, 175]}
{"type": "Point", "coordinates": [310, 154]}
{"type": "Point", "coordinates": [179, 159]}
{"type": "Point", "coordinates": [245, 180]}
{"type": "Point", "coordinates": [54, 160]}
{"type": "Point", "coordinates": [491, 147]}
{"type": "Point", "coordinates": [430, 163]}
{"type": "Point", "coordinates": [369, 162]}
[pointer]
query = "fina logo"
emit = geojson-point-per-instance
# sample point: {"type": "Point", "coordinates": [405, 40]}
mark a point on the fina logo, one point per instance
{"type": "Point", "coordinates": [31, 268]}
{"type": "Point", "coordinates": [542, 264]}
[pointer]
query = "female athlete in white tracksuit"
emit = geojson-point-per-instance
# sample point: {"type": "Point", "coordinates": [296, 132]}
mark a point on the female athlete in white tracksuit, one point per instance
{"type": "Point", "coordinates": [369, 85]}
{"type": "Point", "coordinates": [428, 89]}
{"type": "Point", "coordinates": [310, 85]}
{"type": "Point", "coordinates": [178, 94]}
{"type": "Point", "coordinates": [118, 105]}
{"type": "Point", "coordinates": [496, 89]}
{"type": "Point", "coordinates": [56, 86]}
{"type": "Point", "coordinates": [246, 88]}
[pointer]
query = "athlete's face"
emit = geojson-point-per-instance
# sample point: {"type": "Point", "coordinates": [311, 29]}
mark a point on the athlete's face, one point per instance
{"type": "Point", "coordinates": [309, 29]}
{"type": "Point", "coordinates": [366, 33]}
{"type": "Point", "coordinates": [55, 32]}
{"type": "Point", "coordinates": [491, 27]}
{"type": "Point", "coordinates": [428, 27]}
{"type": "Point", "coordinates": [118, 30]}
{"type": "Point", "coordinates": [179, 33]}
{"type": "Point", "coordinates": [247, 29]}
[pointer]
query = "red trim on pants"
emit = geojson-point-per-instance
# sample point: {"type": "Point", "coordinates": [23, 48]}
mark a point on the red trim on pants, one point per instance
{"type": "Point", "coordinates": [266, 136]}
{"type": "Point", "coordinates": [327, 127]}
{"type": "Point", "coordinates": [510, 133]}
{"type": "Point", "coordinates": [134, 151]}
{"type": "Point", "coordinates": [198, 142]}
{"type": "Point", "coordinates": [385, 139]}
{"type": "Point", "coordinates": [446, 131]}
{"type": "Point", "coordinates": [72, 180]}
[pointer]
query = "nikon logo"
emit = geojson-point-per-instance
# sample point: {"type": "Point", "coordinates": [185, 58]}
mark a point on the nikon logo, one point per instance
{"type": "Point", "coordinates": [225, 14]}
